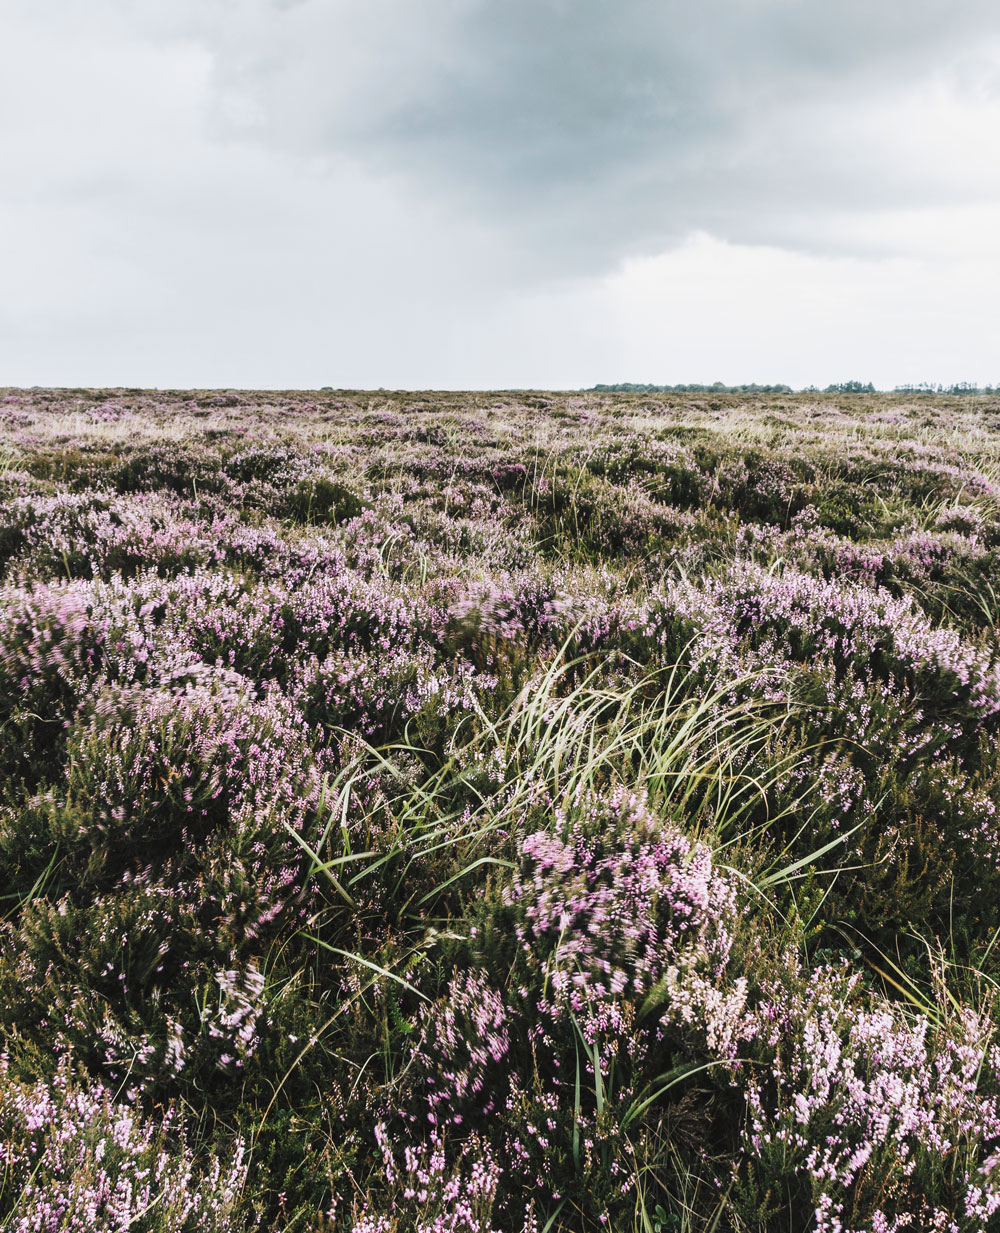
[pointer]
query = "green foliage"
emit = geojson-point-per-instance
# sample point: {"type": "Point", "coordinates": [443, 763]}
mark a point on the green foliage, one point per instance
{"type": "Point", "coordinates": [324, 500]}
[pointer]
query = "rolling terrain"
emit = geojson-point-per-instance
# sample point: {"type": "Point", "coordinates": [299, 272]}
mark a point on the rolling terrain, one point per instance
{"type": "Point", "coordinates": [437, 813]}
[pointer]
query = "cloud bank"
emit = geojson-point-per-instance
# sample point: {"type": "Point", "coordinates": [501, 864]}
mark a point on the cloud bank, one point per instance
{"type": "Point", "coordinates": [471, 192]}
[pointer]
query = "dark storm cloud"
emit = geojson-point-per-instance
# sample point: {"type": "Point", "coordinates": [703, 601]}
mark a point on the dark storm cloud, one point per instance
{"type": "Point", "coordinates": [591, 129]}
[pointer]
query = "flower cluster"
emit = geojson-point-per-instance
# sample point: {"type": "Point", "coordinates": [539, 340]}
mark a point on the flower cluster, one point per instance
{"type": "Point", "coordinates": [611, 905]}
{"type": "Point", "coordinates": [877, 1109]}
{"type": "Point", "coordinates": [75, 1160]}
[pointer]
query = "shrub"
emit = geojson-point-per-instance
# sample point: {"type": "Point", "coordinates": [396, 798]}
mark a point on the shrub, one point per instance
{"type": "Point", "coordinates": [75, 1160]}
{"type": "Point", "coordinates": [52, 644]}
{"type": "Point", "coordinates": [875, 1118]}
{"type": "Point", "coordinates": [603, 968]}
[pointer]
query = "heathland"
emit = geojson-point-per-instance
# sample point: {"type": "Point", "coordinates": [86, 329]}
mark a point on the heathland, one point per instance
{"type": "Point", "coordinates": [442, 813]}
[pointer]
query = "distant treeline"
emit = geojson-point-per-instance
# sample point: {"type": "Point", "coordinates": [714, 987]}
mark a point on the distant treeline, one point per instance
{"type": "Point", "coordinates": [839, 387]}
{"type": "Point", "coordinates": [961, 387]}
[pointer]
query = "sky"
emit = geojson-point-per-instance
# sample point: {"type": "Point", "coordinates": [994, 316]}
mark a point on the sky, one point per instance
{"type": "Point", "coordinates": [477, 194]}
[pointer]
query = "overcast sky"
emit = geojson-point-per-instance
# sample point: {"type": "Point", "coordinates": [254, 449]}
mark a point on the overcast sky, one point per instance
{"type": "Point", "coordinates": [498, 193]}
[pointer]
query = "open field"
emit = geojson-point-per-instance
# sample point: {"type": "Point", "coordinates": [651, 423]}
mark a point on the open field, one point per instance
{"type": "Point", "coordinates": [457, 812]}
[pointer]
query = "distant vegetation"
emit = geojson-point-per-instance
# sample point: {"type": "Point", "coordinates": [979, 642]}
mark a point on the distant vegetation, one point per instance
{"type": "Point", "coordinates": [842, 387]}
{"type": "Point", "coordinates": [961, 387]}
{"type": "Point", "coordinates": [463, 813]}
{"type": "Point", "coordinates": [625, 387]}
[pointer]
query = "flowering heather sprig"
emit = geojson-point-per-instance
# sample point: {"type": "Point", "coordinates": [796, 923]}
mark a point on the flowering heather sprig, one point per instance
{"type": "Point", "coordinates": [431, 1191]}
{"type": "Point", "coordinates": [74, 1161]}
{"type": "Point", "coordinates": [235, 1018]}
{"type": "Point", "coordinates": [891, 1120]}
{"type": "Point", "coordinates": [463, 1046]}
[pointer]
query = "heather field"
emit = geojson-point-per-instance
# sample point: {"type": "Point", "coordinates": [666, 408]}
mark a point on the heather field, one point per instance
{"type": "Point", "coordinates": [494, 812]}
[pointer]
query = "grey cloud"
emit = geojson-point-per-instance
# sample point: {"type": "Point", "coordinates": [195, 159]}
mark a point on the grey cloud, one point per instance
{"type": "Point", "coordinates": [587, 129]}
{"type": "Point", "coordinates": [411, 191]}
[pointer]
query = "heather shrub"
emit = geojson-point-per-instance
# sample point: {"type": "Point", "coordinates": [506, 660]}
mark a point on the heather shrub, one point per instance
{"type": "Point", "coordinates": [430, 1193]}
{"type": "Point", "coordinates": [910, 702]}
{"type": "Point", "coordinates": [851, 511]}
{"type": "Point", "coordinates": [322, 499]}
{"type": "Point", "coordinates": [383, 542]}
{"type": "Point", "coordinates": [761, 488]}
{"type": "Point", "coordinates": [665, 468]}
{"type": "Point", "coordinates": [176, 867]}
{"type": "Point", "coordinates": [75, 1160]}
{"type": "Point", "coordinates": [133, 983]}
{"type": "Point", "coordinates": [909, 706]}
{"type": "Point", "coordinates": [352, 613]}
{"type": "Point", "coordinates": [267, 551]}
{"type": "Point", "coordinates": [933, 477]}
{"type": "Point", "coordinates": [11, 536]}
{"type": "Point", "coordinates": [381, 695]}
{"type": "Point", "coordinates": [877, 665]}
{"type": "Point", "coordinates": [270, 462]}
{"type": "Point", "coordinates": [502, 624]}
{"type": "Point", "coordinates": [599, 972]}
{"type": "Point", "coordinates": [185, 468]}
{"type": "Point", "coordinates": [155, 627]}
{"type": "Point", "coordinates": [75, 464]}
{"type": "Point", "coordinates": [226, 624]}
{"type": "Point", "coordinates": [589, 519]}
{"type": "Point", "coordinates": [92, 535]}
{"type": "Point", "coordinates": [483, 532]}
{"type": "Point", "coordinates": [871, 1117]}
{"type": "Point", "coordinates": [154, 770]}
{"type": "Point", "coordinates": [52, 644]}
{"type": "Point", "coordinates": [813, 548]}
{"type": "Point", "coordinates": [615, 903]}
